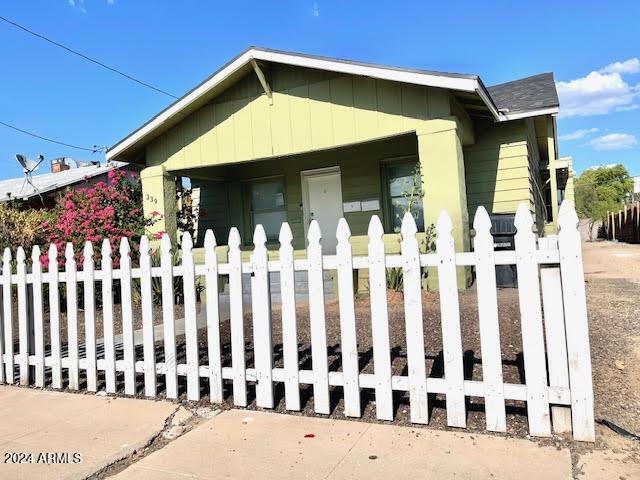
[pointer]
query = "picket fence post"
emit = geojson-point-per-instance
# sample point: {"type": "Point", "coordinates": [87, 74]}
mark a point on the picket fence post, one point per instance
{"type": "Point", "coordinates": [54, 316]}
{"type": "Point", "coordinates": [7, 300]}
{"type": "Point", "coordinates": [261, 309]}
{"type": "Point", "coordinates": [237, 320]}
{"type": "Point", "coordinates": [489, 326]}
{"type": "Point", "coordinates": [213, 318]}
{"type": "Point", "coordinates": [148, 337]}
{"type": "Point", "coordinates": [107, 318]}
{"type": "Point", "coordinates": [317, 320]}
{"type": "Point", "coordinates": [412, 285]}
{"type": "Point", "coordinates": [576, 324]}
{"type": "Point", "coordinates": [531, 324]}
{"type": "Point", "coordinates": [23, 325]}
{"type": "Point", "coordinates": [38, 323]}
{"type": "Point", "coordinates": [71, 273]}
{"type": "Point", "coordinates": [190, 320]}
{"type": "Point", "coordinates": [450, 315]}
{"type": "Point", "coordinates": [380, 320]}
{"type": "Point", "coordinates": [289, 327]}
{"type": "Point", "coordinates": [168, 317]}
{"type": "Point", "coordinates": [127, 318]}
{"type": "Point", "coordinates": [348, 338]}
{"type": "Point", "coordinates": [89, 317]}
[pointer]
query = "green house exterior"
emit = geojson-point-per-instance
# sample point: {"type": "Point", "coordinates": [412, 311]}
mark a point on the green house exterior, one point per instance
{"type": "Point", "coordinates": [269, 134]}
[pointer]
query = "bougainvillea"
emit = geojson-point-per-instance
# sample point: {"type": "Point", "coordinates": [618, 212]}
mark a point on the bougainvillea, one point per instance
{"type": "Point", "coordinates": [110, 210]}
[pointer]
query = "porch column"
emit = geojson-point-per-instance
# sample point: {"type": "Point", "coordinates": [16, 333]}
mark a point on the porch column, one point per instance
{"type": "Point", "coordinates": [159, 197]}
{"type": "Point", "coordinates": [443, 179]}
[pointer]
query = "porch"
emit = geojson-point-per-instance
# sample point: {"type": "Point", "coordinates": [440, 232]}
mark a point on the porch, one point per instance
{"type": "Point", "coordinates": [356, 181]}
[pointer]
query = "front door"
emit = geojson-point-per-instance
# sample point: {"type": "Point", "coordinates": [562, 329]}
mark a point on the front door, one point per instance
{"type": "Point", "coordinates": [323, 202]}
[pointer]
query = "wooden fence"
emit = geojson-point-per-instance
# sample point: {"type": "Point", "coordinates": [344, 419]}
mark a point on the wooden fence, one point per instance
{"type": "Point", "coordinates": [558, 388]}
{"type": "Point", "coordinates": [624, 225]}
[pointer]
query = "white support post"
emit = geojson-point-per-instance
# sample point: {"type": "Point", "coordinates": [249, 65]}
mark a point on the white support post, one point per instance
{"type": "Point", "coordinates": [70, 268]}
{"type": "Point", "coordinates": [213, 318]}
{"type": "Point", "coordinates": [168, 317]}
{"type": "Point", "coordinates": [127, 318]}
{"type": "Point", "coordinates": [88, 272]}
{"type": "Point", "coordinates": [38, 323]}
{"type": "Point", "coordinates": [54, 317]}
{"type": "Point", "coordinates": [190, 320]}
{"type": "Point", "coordinates": [237, 320]}
{"type": "Point", "coordinates": [107, 318]}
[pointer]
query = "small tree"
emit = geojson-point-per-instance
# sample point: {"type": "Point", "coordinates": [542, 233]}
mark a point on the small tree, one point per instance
{"type": "Point", "coordinates": [20, 227]}
{"type": "Point", "coordinates": [600, 190]}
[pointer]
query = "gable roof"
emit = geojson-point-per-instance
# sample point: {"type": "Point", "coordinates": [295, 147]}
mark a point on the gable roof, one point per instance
{"type": "Point", "coordinates": [535, 93]}
{"type": "Point", "coordinates": [16, 188]}
{"type": "Point", "coordinates": [241, 64]}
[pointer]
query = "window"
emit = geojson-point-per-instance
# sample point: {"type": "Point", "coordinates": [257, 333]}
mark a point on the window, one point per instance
{"type": "Point", "coordinates": [268, 206]}
{"type": "Point", "coordinates": [401, 182]}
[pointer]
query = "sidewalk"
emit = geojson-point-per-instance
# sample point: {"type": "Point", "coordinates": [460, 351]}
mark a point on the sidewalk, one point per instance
{"type": "Point", "coordinates": [243, 444]}
{"type": "Point", "coordinates": [255, 445]}
{"type": "Point", "coordinates": [90, 430]}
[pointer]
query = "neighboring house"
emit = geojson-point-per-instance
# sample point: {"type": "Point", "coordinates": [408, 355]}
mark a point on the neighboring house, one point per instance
{"type": "Point", "coordinates": [65, 173]}
{"type": "Point", "coordinates": [276, 136]}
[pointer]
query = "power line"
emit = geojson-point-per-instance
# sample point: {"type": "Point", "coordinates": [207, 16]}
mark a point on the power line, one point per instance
{"type": "Point", "coordinates": [85, 57]}
{"type": "Point", "coordinates": [92, 150]}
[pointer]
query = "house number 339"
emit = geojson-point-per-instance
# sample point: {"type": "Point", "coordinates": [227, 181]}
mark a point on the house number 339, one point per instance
{"type": "Point", "coordinates": [150, 198]}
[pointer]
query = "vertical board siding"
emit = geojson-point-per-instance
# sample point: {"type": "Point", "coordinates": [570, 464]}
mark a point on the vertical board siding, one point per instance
{"type": "Point", "coordinates": [551, 281]}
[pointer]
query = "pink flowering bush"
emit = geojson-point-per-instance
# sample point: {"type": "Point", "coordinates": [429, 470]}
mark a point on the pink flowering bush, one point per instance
{"type": "Point", "coordinates": [112, 211]}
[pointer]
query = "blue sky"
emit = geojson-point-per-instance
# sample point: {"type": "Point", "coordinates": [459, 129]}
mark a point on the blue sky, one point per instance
{"type": "Point", "coordinates": [592, 47]}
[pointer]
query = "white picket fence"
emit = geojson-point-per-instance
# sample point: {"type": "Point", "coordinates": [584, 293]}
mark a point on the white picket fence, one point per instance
{"type": "Point", "coordinates": [558, 387]}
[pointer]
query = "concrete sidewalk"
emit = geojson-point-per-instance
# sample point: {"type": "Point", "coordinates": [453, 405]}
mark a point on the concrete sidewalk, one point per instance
{"type": "Point", "coordinates": [71, 436]}
{"type": "Point", "coordinates": [255, 445]}
{"type": "Point", "coordinates": [245, 444]}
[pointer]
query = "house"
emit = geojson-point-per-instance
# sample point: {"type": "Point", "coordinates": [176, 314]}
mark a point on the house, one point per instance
{"type": "Point", "coordinates": [41, 190]}
{"type": "Point", "coordinates": [276, 136]}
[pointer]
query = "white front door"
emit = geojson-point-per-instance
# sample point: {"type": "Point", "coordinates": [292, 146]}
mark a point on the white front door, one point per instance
{"type": "Point", "coordinates": [323, 202]}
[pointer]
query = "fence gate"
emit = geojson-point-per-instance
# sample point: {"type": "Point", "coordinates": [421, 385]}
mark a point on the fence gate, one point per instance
{"type": "Point", "coordinates": [62, 352]}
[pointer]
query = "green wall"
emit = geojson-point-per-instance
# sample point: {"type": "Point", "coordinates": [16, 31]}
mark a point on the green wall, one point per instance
{"type": "Point", "coordinates": [360, 167]}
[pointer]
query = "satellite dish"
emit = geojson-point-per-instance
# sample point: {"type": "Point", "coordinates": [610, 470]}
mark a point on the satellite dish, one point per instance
{"type": "Point", "coordinates": [29, 166]}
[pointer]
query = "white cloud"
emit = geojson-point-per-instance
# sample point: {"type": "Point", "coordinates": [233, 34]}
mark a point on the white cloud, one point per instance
{"type": "Point", "coordinates": [578, 134]}
{"type": "Point", "coordinates": [630, 66]}
{"type": "Point", "coordinates": [111, 2]}
{"type": "Point", "coordinates": [315, 10]}
{"type": "Point", "coordinates": [79, 4]}
{"type": "Point", "coordinates": [613, 141]}
{"type": "Point", "coordinates": [628, 108]}
{"type": "Point", "coordinates": [600, 92]}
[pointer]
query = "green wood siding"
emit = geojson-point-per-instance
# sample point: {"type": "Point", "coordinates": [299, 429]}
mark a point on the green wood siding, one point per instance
{"type": "Point", "coordinates": [497, 168]}
{"type": "Point", "coordinates": [360, 168]}
{"type": "Point", "coordinates": [311, 110]}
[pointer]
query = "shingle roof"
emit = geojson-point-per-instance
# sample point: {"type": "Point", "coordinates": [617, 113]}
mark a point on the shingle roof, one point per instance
{"type": "Point", "coordinates": [531, 93]}
{"type": "Point", "coordinates": [16, 188]}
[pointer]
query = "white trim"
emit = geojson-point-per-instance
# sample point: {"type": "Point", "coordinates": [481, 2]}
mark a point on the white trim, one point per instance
{"type": "Point", "coordinates": [529, 113]}
{"type": "Point", "coordinates": [304, 176]}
